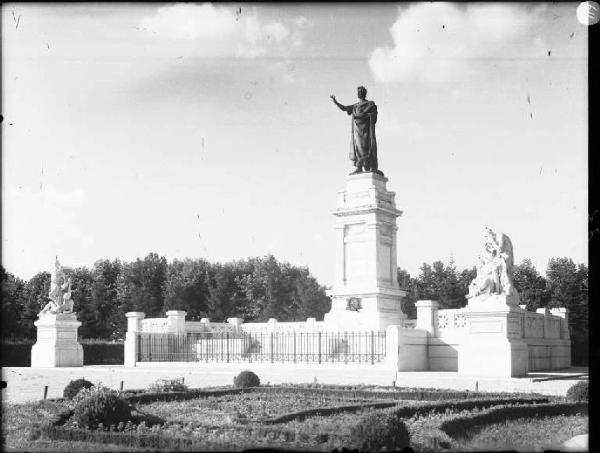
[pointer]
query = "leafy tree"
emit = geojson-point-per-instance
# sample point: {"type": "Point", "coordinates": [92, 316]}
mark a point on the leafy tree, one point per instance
{"type": "Point", "coordinates": [270, 290]}
{"type": "Point", "coordinates": [14, 297]}
{"type": "Point", "coordinates": [140, 285]}
{"type": "Point", "coordinates": [568, 287]}
{"type": "Point", "coordinates": [311, 298]}
{"type": "Point", "coordinates": [530, 285]}
{"type": "Point", "coordinates": [37, 290]}
{"type": "Point", "coordinates": [409, 285]}
{"type": "Point", "coordinates": [104, 298]}
{"type": "Point", "coordinates": [441, 283]}
{"type": "Point", "coordinates": [82, 282]}
{"type": "Point", "coordinates": [186, 287]}
{"type": "Point", "coordinates": [225, 296]}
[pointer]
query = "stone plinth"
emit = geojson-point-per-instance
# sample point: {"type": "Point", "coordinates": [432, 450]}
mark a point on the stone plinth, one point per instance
{"type": "Point", "coordinates": [57, 344]}
{"type": "Point", "coordinates": [366, 295]}
{"type": "Point", "coordinates": [134, 325]}
{"type": "Point", "coordinates": [493, 344]}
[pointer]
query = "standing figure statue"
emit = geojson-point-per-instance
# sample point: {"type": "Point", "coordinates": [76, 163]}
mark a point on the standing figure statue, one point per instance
{"type": "Point", "coordinates": [60, 292]}
{"type": "Point", "coordinates": [363, 144]}
{"type": "Point", "coordinates": [495, 267]}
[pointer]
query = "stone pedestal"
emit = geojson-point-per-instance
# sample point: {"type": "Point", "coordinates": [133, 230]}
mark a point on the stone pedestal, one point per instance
{"type": "Point", "coordinates": [493, 345]}
{"type": "Point", "coordinates": [57, 344]}
{"type": "Point", "coordinates": [134, 325]}
{"type": "Point", "coordinates": [366, 295]}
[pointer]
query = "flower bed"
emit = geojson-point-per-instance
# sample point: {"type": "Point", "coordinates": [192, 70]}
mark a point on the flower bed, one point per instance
{"type": "Point", "coordinates": [227, 419]}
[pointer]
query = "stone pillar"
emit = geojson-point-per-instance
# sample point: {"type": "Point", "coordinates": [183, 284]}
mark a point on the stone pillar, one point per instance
{"type": "Point", "coordinates": [57, 344]}
{"type": "Point", "coordinates": [426, 310]}
{"type": "Point", "coordinates": [134, 325]}
{"type": "Point", "coordinates": [493, 345]}
{"type": "Point", "coordinates": [176, 321]}
{"type": "Point", "coordinates": [272, 325]}
{"type": "Point", "coordinates": [366, 295]}
{"type": "Point", "coordinates": [564, 323]}
{"type": "Point", "coordinates": [236, 323]}
{"type": "Point", "coordinates": [406, 349]}
{"type": "Point", "coordinates": [565, 337]}
{"type": "Point", "coordinates": [311, 325]}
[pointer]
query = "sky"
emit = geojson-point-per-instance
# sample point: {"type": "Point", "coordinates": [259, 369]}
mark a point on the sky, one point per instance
{"type": "Point", "coordinates": [207, 131]}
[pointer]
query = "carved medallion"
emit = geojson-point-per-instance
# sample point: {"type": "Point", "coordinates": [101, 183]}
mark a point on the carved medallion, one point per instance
{"type": "Point", "coordinates": [354, 304]}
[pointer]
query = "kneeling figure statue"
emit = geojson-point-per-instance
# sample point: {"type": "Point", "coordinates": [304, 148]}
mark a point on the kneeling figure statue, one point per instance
{"type": "Point", "coordinates": [495, 268]}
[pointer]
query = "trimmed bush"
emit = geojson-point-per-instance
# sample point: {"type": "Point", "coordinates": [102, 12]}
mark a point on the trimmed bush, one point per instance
{"type": "Point", "coordinates": [578, 392]}
{"type": "Point", "coordinates": [379, 431]}
{"type": "Point", "coordinates": [246, 379]}
{"type": "Point", "coordinates": [464, 425]}
{"type": "Point", "coordinates": [101, 406]}
{"type": "Point", "coordinates": [75, 386]}
{"type": "Point", "coordinates": [168, 385]}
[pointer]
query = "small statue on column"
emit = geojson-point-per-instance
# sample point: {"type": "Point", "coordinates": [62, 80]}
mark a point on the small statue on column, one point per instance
{"type": "Point", "coordinates": [60, 292]}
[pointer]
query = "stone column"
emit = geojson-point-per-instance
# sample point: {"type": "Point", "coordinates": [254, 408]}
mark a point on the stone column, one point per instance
{"type": "Point", "coordinates": [57, 344]}
{"type": "Point", "coordinates": [176, 321]}
{"type": "Point", "coordinates": [426, 310]}
{"type": "Point", "coordinates": [493, 345]}
{"type": "Point", "coordinates": [134, 325]}
{"type": "Point", "coordinates": [236, 323]}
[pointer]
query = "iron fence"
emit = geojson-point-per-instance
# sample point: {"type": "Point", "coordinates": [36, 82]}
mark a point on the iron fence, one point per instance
{"type": "Point", "coordinates": [295, 347]}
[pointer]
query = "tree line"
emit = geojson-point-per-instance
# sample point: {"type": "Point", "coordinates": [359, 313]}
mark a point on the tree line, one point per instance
{"type": "Point", "coordinates": [257, 289]}
{"type": "Point", "coordinates": [254, 289]}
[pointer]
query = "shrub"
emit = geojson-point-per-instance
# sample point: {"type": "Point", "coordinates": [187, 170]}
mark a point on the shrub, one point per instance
{"type": "Point", "coordinates": [578, 392]}
{"type": "Point", "coordinates": [168, 385]}
{"type": "Point", "coordinates": [75, 386]}
{"type": "Point", "coordinates": [378, 431]}
{"type": "Point", "coordinates": [246, 379]}
{"type": "Point", "coordinates": [101, 406]}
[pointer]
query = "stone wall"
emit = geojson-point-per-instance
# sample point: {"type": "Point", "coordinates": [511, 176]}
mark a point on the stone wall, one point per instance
{"type": "Point", "coordinates": [544, 334]}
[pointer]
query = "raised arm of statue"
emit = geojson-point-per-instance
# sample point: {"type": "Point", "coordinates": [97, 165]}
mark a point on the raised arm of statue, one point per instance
{"type": "Point", "coordinates": [344, 108]}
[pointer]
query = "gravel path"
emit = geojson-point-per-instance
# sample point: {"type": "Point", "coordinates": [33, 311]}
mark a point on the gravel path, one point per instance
{"type": "Point", "coordinates": [27, 384]}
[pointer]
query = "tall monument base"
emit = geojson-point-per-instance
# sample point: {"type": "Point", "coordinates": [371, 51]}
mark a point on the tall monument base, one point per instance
{"type": "Point", "coordinates": [57, 344]}
{"type": "Point", "coordinates": [366, 294]}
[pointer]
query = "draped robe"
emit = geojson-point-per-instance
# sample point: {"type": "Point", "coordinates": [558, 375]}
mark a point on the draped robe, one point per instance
{"type": "Point", "coordinates": [363, 144]}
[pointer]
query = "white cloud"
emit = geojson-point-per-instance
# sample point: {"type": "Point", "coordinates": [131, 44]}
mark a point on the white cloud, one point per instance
{"type": "Point", "coordinates": [242, 34]}
{"type": "Point", "coordinates": [186, 21]}
{"type": "Point", "coordinates": [434, 42]}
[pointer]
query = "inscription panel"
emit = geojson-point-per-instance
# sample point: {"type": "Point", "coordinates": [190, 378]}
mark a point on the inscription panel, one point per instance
{"type": "Point", "coordinates": [486, 327]}
{"type": "Point", "coordinates": [354, 261]}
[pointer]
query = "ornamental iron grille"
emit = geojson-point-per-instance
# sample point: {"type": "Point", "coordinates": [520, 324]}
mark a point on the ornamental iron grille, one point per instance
{"type": "Point", "coordinates": [295, 347]}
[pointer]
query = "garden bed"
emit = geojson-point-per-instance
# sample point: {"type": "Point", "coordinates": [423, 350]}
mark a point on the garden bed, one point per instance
{"type": "Point", "coordinates": [230, 419]}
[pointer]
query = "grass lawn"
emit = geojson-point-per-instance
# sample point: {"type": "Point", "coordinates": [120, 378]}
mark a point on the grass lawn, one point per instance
{"type": "Point", "coordinates": [20, 430]}
{"type": "Point", "coordinates": [526, 434]}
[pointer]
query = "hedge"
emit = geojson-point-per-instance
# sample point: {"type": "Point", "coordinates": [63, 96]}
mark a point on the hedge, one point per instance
{"type": "Point", "coordinates": [96, 353]}
{"type": "Point", "coordinates": [461, 425]}
{"type": "Point", "coordinates": [406, 411]}
{"type": "Point", "coordinates": [131, 439]}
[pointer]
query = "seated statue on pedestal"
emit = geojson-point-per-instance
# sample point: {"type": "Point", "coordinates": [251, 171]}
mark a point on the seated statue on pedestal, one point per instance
{"type": "Point", "coordinates": [495, 267]}
{"type": "Point", "coordinates": [60, 293]}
